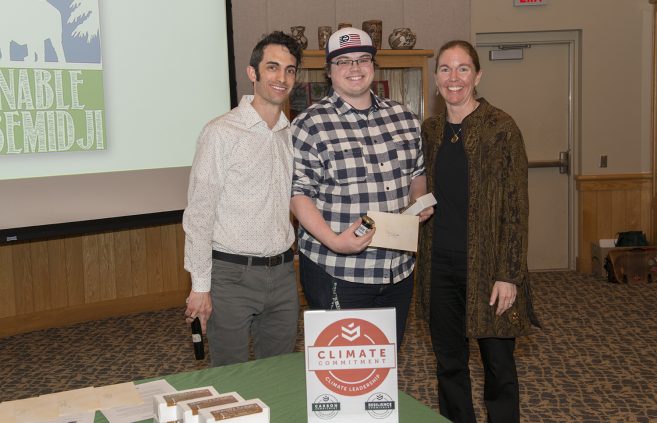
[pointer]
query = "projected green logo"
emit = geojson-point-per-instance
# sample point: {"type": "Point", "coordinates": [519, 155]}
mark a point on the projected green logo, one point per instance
{"type": "Point", "coordinates": [51, 78]}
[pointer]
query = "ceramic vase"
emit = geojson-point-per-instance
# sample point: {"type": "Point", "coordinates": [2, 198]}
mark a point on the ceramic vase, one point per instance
{"type": "Point", "coordinates": [323, 35]}
{"type": "Point", "coordinates": [373, 29]}
{"type": "Point", "coordinates": [402, 39]}
{"type": "Point", "coordinates": [298, 34]}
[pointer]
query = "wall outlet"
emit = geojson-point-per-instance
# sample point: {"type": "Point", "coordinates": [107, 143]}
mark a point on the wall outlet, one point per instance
{"type": "Point", "coordinates": [603, 160]}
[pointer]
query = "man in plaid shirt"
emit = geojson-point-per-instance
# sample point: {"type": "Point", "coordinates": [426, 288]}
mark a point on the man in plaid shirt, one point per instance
{"type": "Point", "coordinates": [354, 152]}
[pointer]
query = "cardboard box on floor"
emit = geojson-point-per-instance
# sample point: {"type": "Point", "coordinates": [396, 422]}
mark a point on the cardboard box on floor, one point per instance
{"type": "Point", "coordinates": [599, 250]}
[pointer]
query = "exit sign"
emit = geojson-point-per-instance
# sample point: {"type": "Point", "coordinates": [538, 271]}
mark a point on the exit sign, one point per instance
{"type": "Point", "coordinates": [529, 2]}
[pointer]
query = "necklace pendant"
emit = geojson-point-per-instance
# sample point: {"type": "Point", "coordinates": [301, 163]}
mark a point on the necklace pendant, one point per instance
{"type": "Point", "coordinates": [454, 139]}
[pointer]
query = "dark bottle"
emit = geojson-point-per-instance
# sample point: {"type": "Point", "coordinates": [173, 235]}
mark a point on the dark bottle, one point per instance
{"type": "Point", "coordinates": [197, 339]}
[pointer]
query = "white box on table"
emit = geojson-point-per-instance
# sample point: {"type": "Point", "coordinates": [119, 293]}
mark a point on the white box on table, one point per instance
{"type": "Point", "coordinates": [250, 411]}
{"type": "Point", "coordinates": [189, 410]}
{"type": "Point", "coordinates": [165, 405]}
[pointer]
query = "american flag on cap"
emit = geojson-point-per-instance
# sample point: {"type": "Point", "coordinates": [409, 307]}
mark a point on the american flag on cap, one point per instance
{"type": "Point", "coordinates": [349, 40]}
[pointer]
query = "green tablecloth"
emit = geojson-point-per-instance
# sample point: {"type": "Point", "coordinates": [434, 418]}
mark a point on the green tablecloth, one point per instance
{"type": "Point", "coordinates": [281, 383]}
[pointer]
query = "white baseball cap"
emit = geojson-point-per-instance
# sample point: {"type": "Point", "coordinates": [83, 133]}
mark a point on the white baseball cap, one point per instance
{"type": "Point", "coordinates": [349, 40]}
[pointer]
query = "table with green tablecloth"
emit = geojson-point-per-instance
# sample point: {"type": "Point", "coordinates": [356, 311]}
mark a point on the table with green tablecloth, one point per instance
{"type": "Point", "coordinates": [281, 383]}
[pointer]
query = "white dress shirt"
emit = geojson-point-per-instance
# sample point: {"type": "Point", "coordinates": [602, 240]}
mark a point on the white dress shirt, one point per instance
{"type": "Point", "coordinates": [239, 191]}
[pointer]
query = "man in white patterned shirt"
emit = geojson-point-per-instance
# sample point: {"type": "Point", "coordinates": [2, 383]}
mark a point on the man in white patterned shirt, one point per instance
{"type": "Point", "coordinates": [237, 225]}
{"type": "Point", "coordinates": [354, 152]}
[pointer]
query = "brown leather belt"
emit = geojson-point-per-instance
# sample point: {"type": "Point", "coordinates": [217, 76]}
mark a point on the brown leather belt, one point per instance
{"type": "Point", "coordinates": [285, 257]}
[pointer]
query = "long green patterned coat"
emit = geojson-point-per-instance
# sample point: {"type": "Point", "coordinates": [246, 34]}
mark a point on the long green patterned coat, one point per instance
{"type": "Point", "coordinates": [497, 222]}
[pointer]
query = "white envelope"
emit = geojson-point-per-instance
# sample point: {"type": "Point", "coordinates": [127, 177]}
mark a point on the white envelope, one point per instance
{"type": "Point", "coordinates": [427, 200]}
{"type": "Point", "coordinates": [395, 231]}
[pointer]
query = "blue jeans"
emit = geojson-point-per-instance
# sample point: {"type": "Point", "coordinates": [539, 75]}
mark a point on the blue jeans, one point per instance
{"type": "Point", "coordinates": [325, 292]}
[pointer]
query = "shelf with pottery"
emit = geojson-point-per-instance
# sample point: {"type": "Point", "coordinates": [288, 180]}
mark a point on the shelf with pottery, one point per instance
{"type": "Point", "coordinates": [406, 70]}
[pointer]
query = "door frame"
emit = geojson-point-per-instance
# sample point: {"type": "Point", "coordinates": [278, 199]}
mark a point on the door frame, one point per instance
{"type": "Point", "coordinates": [572, 39]}
{"type": "Point", "coordinates": [653, 126]}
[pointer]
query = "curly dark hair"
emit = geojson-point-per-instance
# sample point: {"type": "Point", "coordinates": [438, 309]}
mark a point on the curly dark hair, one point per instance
{"type": "Point", "coordinates": [276, 37]}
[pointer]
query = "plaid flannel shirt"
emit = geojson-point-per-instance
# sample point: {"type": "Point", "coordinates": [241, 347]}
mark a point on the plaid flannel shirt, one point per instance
{"type": "Point", "coordinates": [348, 164]}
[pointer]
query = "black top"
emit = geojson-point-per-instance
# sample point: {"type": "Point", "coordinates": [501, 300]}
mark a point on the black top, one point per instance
{"type": "Point", "coordinates": [451, 191]}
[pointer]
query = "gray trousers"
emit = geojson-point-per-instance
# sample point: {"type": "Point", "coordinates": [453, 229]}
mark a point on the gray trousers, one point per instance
{"type": "Point", "coordinates": [259, 301]}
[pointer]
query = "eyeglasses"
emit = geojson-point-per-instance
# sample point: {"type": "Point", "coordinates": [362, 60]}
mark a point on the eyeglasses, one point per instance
{"type": "Point", "coordinates": [347, 63]}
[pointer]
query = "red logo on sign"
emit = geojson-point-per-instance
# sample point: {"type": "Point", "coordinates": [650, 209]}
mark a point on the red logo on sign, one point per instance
{"type": "Point", "coordinates": [353, 343]}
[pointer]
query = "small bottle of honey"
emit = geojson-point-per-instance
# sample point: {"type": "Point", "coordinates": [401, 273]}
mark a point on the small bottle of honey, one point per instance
{"type": "Point", "coordinates": [366, 225]}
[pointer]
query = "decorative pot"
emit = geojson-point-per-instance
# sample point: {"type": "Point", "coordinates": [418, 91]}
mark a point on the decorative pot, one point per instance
{"type": "Point", "coordinates": [298, 34]}
{"type": "Point", "coordinates": [373, 29]}
{"type": "Point", "coordinates": [323, 35]}
{"type": "Point", "coordinates": [402, 39]}
{"type": "Point", "coordinates": [344, 25]}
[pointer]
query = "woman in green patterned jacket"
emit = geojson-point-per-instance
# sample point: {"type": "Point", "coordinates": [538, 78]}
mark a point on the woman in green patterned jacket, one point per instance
{"type": "Point", "coordinates": [472, 266]}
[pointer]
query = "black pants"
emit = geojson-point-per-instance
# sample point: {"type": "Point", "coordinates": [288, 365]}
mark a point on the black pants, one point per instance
{"type": "Point", "coordinates": [323, 291]}
{"type": "Point", "coordinates": [450, 344]}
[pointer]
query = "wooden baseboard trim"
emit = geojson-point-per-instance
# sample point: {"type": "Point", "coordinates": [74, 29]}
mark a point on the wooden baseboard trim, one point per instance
{"type": "Point", "coordinates": [613, 177]}
{"type": "Point", "coordinates": [581, 266]}
{"type": "Point", "coordinates": [81, 313]}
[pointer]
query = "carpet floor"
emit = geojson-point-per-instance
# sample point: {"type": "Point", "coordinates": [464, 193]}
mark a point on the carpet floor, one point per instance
{"type": "Point", "coordinates": [595, 360]}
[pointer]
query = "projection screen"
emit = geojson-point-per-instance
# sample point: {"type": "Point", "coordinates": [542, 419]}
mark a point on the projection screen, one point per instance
{"type": "Point", "coordinates": [102, 122]}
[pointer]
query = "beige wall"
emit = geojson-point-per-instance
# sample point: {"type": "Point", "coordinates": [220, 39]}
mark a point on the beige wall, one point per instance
{"type": "Point", "coordinates": [616, 57]}
{"type": "Point", "coordinates": [434, 22]}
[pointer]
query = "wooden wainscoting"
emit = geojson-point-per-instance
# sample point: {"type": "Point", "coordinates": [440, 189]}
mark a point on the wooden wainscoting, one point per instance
{"type": "Point", "coordinates": [58, 282]}
{"type": "Point", "coordinates": [609, 204]}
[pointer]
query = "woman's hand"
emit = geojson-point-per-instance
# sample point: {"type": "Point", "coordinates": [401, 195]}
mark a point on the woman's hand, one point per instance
{"type": "Point", "coordinates": [505, 295]}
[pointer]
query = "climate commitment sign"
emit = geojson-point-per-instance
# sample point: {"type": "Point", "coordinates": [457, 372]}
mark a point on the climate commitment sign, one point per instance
{"type": "Point", "coordinates": [351, 366]}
